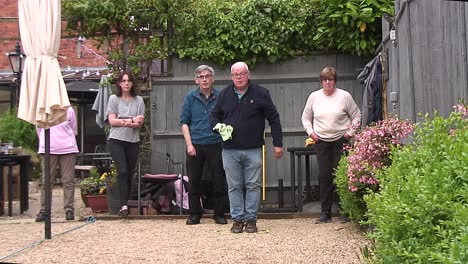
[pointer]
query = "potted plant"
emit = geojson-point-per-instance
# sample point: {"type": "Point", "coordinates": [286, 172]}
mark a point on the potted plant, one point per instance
{"type": "Point", "coordinates": [93, 189]}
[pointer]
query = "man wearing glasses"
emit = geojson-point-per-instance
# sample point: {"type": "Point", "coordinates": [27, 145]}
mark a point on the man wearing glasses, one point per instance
{"type": "Point", "coordinates": [203, 146]}
{"type": "Point", "coordinates": [244, 106]}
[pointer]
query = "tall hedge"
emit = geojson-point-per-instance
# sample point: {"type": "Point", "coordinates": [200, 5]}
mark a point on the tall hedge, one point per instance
{"type": "Point", "coordinates": [421, 213]}
{"type": "Point", "coordinates": [275, 30]}
{"type": "Point", "coordinates": [225, 31]}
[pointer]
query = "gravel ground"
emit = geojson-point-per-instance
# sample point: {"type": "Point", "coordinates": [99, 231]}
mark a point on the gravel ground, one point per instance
{"type": "Point", "coordinates": [296, 240]}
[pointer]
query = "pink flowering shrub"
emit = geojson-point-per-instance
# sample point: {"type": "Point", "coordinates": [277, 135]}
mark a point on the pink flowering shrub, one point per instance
{"type": "Point", "coordinates": [370, 152]}
{"type": "Point", "coordinates": [462, 109]}
{"type": "Point", "coordinates": [420, 213]}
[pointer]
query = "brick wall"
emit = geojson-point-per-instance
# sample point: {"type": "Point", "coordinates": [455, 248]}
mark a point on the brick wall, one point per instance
{"type": "Point", "coordinates": [9, 8]}
{"type": "Point", "coordinates": [68, 45]}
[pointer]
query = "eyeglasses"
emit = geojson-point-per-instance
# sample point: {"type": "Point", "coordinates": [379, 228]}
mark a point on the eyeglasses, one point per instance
{"type": "Point", "coordinates": [239, 75]}
{"type": "Point", "coordinates": [204, 77]}
{"type": "Point", "coordinates": [128, 81]}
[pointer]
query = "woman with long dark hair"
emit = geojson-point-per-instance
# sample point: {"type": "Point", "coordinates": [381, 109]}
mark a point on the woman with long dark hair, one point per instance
{"type": "Point", "coordinates": [125, 113]}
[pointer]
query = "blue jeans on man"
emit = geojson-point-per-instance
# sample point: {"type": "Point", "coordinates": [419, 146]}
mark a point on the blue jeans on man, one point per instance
{"type": "Point", "coordinates": [243, 168]}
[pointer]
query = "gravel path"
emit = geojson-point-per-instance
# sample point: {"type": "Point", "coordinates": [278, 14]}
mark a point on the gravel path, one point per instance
{"type": "Point", "coordinates": [296, 240]}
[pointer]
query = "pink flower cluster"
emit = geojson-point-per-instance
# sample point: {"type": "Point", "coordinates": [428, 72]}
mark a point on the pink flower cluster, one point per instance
{"type": "Point", "coordinates": [371, 151]}
{"type": "Point", "coordinates": [461, 108]}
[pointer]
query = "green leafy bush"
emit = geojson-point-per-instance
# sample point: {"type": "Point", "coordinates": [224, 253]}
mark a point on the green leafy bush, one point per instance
{"type": "Point", "coordinates": [275, 30]}
{"type": "Point", "coordinates": [253, 31]}
{"type": "Point", "coordinates": [21, 133]}
{"type": "Point", "coordinates": [225, 31]}
{"type": "Point", "coordinates": [421, 213]}
{"type": "Point", "coordinates": [351, 25]}
{"type": "Point", "coordinates": [368, 154]}
{"type": "Point", "coordinates": [352, 203]}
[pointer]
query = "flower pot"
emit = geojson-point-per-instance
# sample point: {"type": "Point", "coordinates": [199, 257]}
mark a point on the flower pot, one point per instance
{"type": "Point", "coordinates": [84, 199]}
{"type": "Point", "coordinates": [97, 203]}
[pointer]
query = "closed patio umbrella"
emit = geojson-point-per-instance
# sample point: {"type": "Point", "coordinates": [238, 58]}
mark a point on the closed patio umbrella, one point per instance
{"type": "Point", "coordinates": [43, 100]}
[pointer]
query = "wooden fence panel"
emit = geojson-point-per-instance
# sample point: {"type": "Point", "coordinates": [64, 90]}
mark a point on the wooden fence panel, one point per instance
{"type": "Point", "coordinates": [289, 84]}
{"type": "Point", "coordinates": [428, 64]}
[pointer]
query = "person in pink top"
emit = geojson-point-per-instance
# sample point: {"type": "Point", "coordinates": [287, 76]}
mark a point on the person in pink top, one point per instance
{"type": "Point", "coordinates": [63, 149]}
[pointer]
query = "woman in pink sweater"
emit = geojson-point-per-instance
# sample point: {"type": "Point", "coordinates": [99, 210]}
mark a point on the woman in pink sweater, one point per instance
{"type": "Point", "coordinates": [63, 149]}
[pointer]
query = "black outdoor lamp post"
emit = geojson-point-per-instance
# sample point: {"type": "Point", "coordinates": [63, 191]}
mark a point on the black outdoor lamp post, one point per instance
{"type": "Point", "coordinates": [16, 62]}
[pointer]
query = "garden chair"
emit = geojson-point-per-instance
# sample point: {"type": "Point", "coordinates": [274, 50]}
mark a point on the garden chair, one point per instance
{"type": "Point", "coordinates": [164, 173]}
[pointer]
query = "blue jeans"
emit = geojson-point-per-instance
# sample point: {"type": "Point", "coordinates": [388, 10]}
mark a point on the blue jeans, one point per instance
{"type": "Point", "coordinates": [243, 168]}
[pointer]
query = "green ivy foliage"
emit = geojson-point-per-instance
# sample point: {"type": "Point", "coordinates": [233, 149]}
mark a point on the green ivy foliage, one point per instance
{"type": "Point", "coordinates": [421, 213]}
{"type": "Point", "coordinates": [253, 31]}
{"type": "Point", "coordinates": [226, 31]}
{"type": "Point", "coordinates": [124, 28]}
{"type": "Point", "coordinates": [275, 30]}
{"type": "Point", "coordinates": [351, 25]}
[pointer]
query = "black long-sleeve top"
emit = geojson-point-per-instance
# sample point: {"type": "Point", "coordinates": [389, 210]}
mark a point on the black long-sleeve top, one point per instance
{"type": "Point", "coordinates": [247, 117]}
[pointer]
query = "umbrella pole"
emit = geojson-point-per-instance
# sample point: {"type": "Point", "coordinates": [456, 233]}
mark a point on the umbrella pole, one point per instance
{"type": "Point", "coordinates": [48, 192]}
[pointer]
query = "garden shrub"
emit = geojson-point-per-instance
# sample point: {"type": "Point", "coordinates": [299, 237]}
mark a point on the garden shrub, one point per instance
{"type": "Point", "coordinates": [420, 214]}
{"type": "Point", "coordinates": [21, 133]}
{"type": "Point", "coordinates": [223, 32]}
{"type": "Point", "coordinates": [368, 154]}
{"type": "Point", "coordinates": [352, 203]}
{"type": "Point", "coordinates": [273, 31]}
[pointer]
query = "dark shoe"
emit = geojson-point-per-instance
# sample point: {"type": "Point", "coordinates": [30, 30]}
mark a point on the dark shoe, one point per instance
{"type": "Point", "coordinates": [69, 215]}
{"type": "Point", "coordinates": [124, 211]}
{"type": "Point", "coordinates": [220, 220]}
{"type": "Point", "coordinates": [324, 218]}
{"type": "Point", "coordinates": [237, 227]}
{"type": "Point", "coordinates": [193, 220]}
{"type": "Point", "coordinates": [344, 219]}
{"type": "Point", "coordinates": [40, 217]}
{"type": "Point", "coordinates": [251, 227]}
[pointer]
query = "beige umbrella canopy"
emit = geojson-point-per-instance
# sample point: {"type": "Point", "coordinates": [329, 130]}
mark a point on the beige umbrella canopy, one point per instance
{"type": "Point", "coordinates": [44, 100]}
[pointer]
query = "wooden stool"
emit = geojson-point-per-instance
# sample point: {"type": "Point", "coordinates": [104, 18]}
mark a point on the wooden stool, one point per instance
{"type": "Point", "coordinates": [145, 207]}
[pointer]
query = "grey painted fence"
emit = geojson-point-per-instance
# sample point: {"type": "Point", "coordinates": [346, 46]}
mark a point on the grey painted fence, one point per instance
{"type": "Point", "coordinates": [289, 84]}
{"type": "Point", "coordinates": [428, 61]}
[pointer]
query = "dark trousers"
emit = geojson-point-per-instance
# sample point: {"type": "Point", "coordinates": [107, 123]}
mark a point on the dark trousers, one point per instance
{"type": "Point", "coordinates": [211, 156]}
{"type": "Point", "coordinates": [125, 156]}
{"type": "Point", "coordinates": [328, 156]}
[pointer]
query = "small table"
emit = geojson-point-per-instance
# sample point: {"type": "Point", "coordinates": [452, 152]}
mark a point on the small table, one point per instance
{"type": "Point", "coordinates": [94, 155]}
{"type": "Point", "coordinates": [99, 160]}
{"type": "Point", "coordinates": [88, 161]}
{"type": "Point", "coordinates": [23, 161]}
{"type": "Point", "coordinates": [295, 154]}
